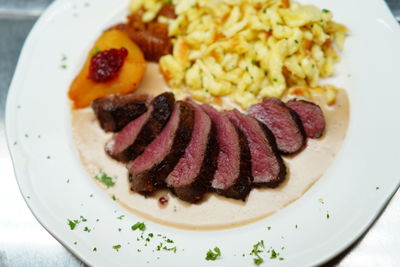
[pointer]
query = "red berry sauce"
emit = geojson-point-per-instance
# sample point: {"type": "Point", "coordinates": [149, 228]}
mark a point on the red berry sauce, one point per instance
{"type": "Point", "coordinates": [105, 65]}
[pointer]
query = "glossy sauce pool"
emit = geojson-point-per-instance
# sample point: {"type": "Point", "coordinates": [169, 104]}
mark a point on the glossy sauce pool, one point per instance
{"type": "Point", "coordinates": [215, 212]}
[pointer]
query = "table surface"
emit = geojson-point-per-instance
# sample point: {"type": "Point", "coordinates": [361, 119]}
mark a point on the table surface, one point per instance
{"type": "Point", "coordinates": [24, 242]}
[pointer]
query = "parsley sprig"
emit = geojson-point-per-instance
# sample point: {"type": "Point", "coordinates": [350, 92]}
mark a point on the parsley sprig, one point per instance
{"type": "Point", "coordinates": [214, 254]}
{"type": "Point", "coordinates": [105, 179]}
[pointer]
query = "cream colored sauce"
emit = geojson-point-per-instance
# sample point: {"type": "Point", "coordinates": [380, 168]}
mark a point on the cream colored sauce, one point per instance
{"type": "Point", "coordinates": [215, 212]}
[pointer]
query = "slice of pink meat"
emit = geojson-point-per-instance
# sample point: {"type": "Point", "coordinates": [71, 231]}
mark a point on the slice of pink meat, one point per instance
{"type": "Point", "coordinates": [119, 145]}
{"type": "Point", "coordinates": [191, 177]}
{"type": "Point", "coordinates": [233, 175]}
{"type": "Point", "coordinates": [311, 117]}
{"type": "Point", "coordinates": [283, 122]}
{"type": "Point", "coordinates": [266, 164]}
{"type": "Point", "coordinates": [149, 170]}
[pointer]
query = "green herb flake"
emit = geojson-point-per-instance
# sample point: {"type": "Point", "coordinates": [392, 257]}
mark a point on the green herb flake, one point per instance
{"type": "Point", "coordinates": [139, 225]}
{"type": "Point", "coordinates": [281, 259]}
{"type": "Point", "coordinates": [63, 66]}
{"type": "Point", "coordinates": [83, 218]}
{"type": "Point", "coordinates": [269, 228]}
{"type": "Point", "coordinates": [15, 143]}
{"type": "Point", "coordinates": [113, 197]}
{"type": "Point", "coordinates": [212, 255]}
{"type": "Point", "coordinates": [116, 247]}
{"type": "Point", "coordinates": [169, 241]}
{"type": "Point", "coordinates": [325, 10]}
{"type": "Point", "coordinates": [75, 243]}
{"type": "Point", "coordinates": [119, 229]}
{"type": "Point", "coordinates": [274, 254]}
{"type": "Point", "coordinates": [87, 229]}
{"type": "Point", "coordinates": [257, 249]}
{"type": "Point", "coordinates": [105, 179]}
{"type": "Point", "coordinates": [94, 249]}
{"type": "Point", "coordinates": [151, 234]}
{"type": "Point", "coordinates": [72, 223]}
{"type": "Point", "coordinates": [327, 215]}
{"type": "Point", "coordinates": [377, 188]}
{"type": "Point", "coordinates": [296, 41]}
{"type": "Point", "coordinates": [258, 261]}
{"type": "Point", "coordinates": [120, 217]}
{"type": "Point", "coordinates": [96, 51]}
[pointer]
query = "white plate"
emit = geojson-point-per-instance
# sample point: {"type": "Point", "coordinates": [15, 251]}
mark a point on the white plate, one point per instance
{"type": "Point", "coordinates": [355, 189]}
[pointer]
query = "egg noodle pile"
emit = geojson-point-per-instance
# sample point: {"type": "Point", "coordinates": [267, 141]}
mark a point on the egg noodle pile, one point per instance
{"type": "Point", "coordinates": [245, 50]}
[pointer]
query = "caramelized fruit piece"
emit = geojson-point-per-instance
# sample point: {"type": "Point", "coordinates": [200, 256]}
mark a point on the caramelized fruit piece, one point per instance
{"type": "Point", "coordinates": [84, 90]}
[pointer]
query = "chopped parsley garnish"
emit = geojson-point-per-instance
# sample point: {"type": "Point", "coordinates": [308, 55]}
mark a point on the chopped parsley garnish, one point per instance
{"type": "Point", "coordinates": [325, 10]}
{"type": "Point", "coordinates": [327, 215]}
{"type": "Point", "coordinates": [269, 228]}
{"type": "Point", "coordinates": [94, 249]}
{"type": "Point", "coordinates": [296, 41]}
{"type": "Point", "coordinates": [256, 252]}
{"type": "Point", "coordinates": [120, 217]}
{"type": "Point", "coordinates": [73, 223]}
{"type": "Point", "coordinates": [274, 254]}
{"type": "Point", "coordinates": [139, 225]}
{"type": "Point", "coordinates": [113, 197]}
{"type": "Point", "coordinates": [83, 219]}
{"type": "Point", "coordinates": [105, 179]}
{"type": "Point", "coordinates": [96, 51]}
{"type": "Point", "coordinates": [87, 229]}
{"type": "Point", "coordinates": [377, 188]}
{"type": "Point", "coordinates": [116, 247]}
{"type": "Point", "coordinates": [212, 255]}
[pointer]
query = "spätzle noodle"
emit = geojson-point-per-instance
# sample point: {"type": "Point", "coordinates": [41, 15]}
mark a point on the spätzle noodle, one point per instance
{"type": "Point", "coordinates": [245, 50]}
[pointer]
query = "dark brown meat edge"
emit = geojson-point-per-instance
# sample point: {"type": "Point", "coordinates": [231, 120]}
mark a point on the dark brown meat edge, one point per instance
{"type": "Point", "coordinates": [163, 105]}
{"type": "Point", "coordinates": [148, 182]}
{"type": "Point", "coordinates": [116, 111]}
{"type": "Point", "coordinates": [194, 192]}
{"type": "Point", "coordinates": [241, 189]}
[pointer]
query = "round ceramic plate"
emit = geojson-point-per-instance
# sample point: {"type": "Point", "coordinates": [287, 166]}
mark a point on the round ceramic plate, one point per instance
{"type": "Point", "coordinates": [326, 220]}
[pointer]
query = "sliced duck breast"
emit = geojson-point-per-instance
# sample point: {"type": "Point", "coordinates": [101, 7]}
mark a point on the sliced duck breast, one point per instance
{"type": "Point", "coordinates": [134, 138]}
{"type": "Point", "coordinates": [148, 171]}
{"type": "Point", "coordinates": [283, 122]}
{"type": "Point", "coordinates": [267, 166]}
{"type": "Point", "coordinates": [311, 117]}
{"type": "Point", "coordinates": [233, 175]}
{"type": "Point", "coordinates": [191, 177]}
{"type": "Point", "coordinates": [114, 112]}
